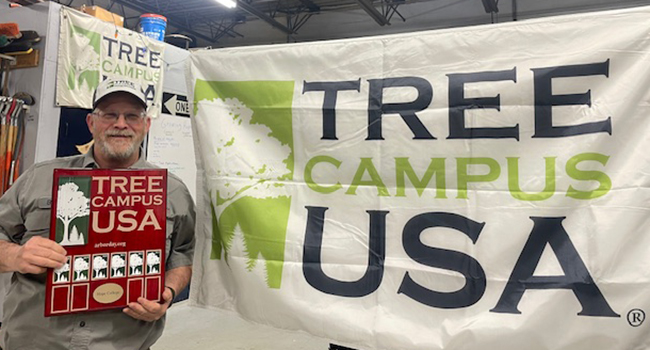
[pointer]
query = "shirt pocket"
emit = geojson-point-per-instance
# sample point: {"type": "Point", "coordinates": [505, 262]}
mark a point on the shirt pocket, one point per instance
{"type": "Point", "coordinates": [37, 220]}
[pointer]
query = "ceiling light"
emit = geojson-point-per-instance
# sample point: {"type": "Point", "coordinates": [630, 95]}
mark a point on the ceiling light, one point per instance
{"type": "Point", "coordinates": [231, 4]}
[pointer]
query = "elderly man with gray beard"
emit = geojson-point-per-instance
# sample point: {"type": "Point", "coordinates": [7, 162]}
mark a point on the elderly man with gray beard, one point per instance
{"type": "Point", "coordinates": [118, 124]}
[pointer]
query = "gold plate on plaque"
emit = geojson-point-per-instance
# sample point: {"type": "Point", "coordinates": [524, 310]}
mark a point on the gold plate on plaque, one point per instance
{"type": "Point", "coordinates": [108, 293]}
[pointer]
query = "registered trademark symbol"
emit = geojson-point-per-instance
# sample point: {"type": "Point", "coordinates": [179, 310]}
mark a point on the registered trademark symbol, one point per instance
{"type": "Point", "coordinates": [635, 317]}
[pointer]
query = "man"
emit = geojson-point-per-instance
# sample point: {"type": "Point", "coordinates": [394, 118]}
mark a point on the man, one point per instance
{"type": "Point", "coordinates": [118, 124]}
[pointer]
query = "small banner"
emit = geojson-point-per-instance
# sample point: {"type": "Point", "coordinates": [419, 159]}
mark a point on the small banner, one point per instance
{"type": "Point", "coordinates": [91, 50]}
{"type": "Point", "coordinates": [470, 188]}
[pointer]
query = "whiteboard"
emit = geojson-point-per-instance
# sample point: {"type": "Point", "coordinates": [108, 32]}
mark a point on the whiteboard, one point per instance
{"type": "Point", "coordinates": [170, 146]}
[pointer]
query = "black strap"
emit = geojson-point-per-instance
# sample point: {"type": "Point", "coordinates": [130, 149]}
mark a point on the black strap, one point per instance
{"type": "Point", "coordinates": [173, 295]}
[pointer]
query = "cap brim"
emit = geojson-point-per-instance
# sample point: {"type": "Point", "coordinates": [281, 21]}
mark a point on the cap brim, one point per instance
{"type": "Point", "coordinates": [135, 98]}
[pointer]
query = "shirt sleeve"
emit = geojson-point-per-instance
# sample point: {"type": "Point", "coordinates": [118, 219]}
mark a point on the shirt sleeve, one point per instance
{"type": "Point", "coordinates": [182, 241]}
{"type": "Point", "coordinates": [12, 223]}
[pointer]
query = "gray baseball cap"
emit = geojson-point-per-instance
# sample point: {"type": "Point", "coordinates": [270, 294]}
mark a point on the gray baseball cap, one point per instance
{"type": "Point", "coordinates": [110, 86]}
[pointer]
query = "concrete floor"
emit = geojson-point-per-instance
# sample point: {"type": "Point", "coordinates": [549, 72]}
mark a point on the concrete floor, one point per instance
{"type": "Point", "coordinates": [192, 328]}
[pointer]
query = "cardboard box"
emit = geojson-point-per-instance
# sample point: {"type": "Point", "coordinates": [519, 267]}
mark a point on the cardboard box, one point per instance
{"type": "Point", "coordinates": [103, 14]}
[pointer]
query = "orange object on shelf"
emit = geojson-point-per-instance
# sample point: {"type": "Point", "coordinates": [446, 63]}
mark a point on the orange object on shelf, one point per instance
{"type": "Point", "coordinates": [103, 14]}
{"type": "Point", "coordinates": [10, 30]}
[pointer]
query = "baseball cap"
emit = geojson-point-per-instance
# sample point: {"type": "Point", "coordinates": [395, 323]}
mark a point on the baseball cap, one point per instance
{"type": "Point", "coordinates": [110, 86]}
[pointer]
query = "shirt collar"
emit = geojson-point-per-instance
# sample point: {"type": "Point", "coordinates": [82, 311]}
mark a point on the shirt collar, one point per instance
{"type": "Point", "coordinates": [89, 160]}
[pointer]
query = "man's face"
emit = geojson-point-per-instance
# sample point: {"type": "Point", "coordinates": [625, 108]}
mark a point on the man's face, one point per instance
{"type": "Point", "coordinates": [119, 127]}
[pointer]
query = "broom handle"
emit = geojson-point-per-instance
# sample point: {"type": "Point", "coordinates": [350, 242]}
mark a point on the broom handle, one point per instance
{"type": "Point", "coordinates": [11, 158]}
{"type": "Point", "coordinates": [16, 168]}
{"type": "Point", "coordinates": [5, 179]}
{"type": "Point", "coordinates": [20, 142]}
{"type": "Point", "coordinates": [4, 147]}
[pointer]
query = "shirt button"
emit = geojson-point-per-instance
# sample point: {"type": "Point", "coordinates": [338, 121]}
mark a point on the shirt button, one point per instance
{"type": "Point", "coordinates": [82, 324]}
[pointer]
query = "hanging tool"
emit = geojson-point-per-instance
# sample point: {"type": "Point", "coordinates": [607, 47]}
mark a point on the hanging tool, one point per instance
{"type": "Point", "coordinates": [18, 124]}
{"type": "Point", "coordinates": [8, 105]}
{"type": "Point", "coordinates": [5, 80]}
{"type": "Point", "coordinates": [5, 61]}
{"type": "Point", "coordinates": [20, 143]}
{"type": "Point", "coordinates": [11, 140]}
{"type": "Point", "coordinates": [25, 97]}
{"type": "Point", "coordinates": [12, 136]}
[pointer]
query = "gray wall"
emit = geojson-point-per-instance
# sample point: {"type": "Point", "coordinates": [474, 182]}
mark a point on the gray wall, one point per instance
{"type": "Point", "coordinates": [43, 118]}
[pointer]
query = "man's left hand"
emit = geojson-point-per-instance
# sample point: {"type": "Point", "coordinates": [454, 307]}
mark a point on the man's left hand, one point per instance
{"type": "Point", "coordinates": [147, 310]}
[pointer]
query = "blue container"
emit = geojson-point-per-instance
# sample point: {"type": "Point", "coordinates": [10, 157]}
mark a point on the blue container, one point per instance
{"type": "Point", "coordinates": [153, 26]}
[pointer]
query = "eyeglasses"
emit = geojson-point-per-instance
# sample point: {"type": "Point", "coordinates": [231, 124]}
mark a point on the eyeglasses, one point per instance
{"type": "Point", "coordinates": [112, 117]}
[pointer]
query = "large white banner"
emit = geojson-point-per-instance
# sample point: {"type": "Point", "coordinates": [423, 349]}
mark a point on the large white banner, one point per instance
{"type": "Point", "coordinates": [472, 188]}
{"type": "Point", "coordinates": [91, 50]}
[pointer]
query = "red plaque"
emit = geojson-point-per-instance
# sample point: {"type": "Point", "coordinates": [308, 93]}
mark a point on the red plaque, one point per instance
{"type": "Point", "coordinates": [112, 224]}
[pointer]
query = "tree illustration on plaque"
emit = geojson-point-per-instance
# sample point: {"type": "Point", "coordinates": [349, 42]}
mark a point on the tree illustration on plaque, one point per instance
{"type": "Point", "coordinates": [153, 262]}
{"type": "Point", "coordinates": [100, 266]}
{"type": "Point", "coordinates": [72, 203]}
{"type": "Point", "coordinates": [81, 267]}
{"type": "Point", "coordinates": [62, 274]}
{"type": "Point", "coordinates": [135, 263]}
{"type": "Point", "coordinates": [118, 263]}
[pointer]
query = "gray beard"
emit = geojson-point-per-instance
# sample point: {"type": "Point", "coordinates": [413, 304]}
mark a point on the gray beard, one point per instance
{"type": "Point", "coordinates": [115, 155]}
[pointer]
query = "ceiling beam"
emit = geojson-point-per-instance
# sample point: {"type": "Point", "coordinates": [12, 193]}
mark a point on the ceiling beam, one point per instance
{"type": "Point", "coordinates": [225, 31]}
{"type": "Point", "coordinates": [367, 6]}
{"type": "Point", "coordinates": [201, 8]}
{"type": "Point", "coordinates": [311, 6]}
{"type": "Point", "coordinates": [263, 16]}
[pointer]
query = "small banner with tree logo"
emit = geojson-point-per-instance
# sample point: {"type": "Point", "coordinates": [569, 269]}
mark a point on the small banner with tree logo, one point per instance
{"type": "Point", "coordinates": [112, 224]}
{"type": "Point", "coordinates": [91, 50]}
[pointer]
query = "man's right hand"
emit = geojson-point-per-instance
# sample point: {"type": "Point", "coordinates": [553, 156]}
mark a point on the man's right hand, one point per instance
{"type": "Point", "coordinates": [37, 255]}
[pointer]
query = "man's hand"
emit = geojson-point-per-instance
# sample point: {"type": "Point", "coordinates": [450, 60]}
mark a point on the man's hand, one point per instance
{"type": "Point", "coordinates": [36, 255]}
{"type": "Point", "coordinates": [147, 310]}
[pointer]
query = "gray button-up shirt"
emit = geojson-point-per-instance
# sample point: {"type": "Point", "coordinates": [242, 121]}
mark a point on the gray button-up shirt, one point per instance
{"type": "Point", "coordinates": [25, 213]}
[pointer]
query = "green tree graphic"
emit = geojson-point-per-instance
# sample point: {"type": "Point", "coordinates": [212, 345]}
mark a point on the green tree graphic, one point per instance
{"type": "Point", "coordinates": [85, 68]}
{"type": "Point", "coordinates": [252, 196]}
